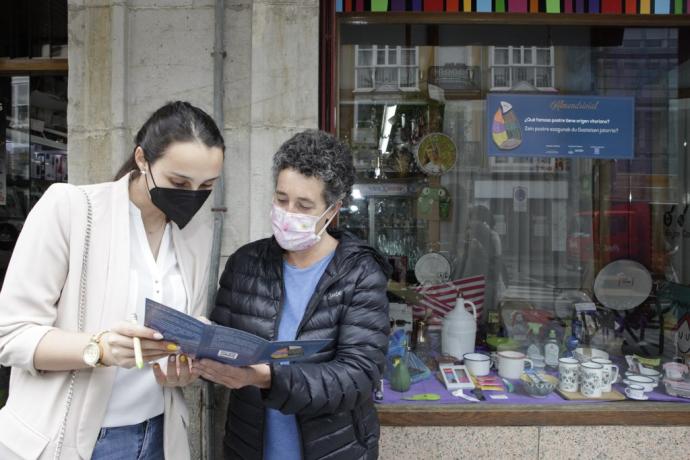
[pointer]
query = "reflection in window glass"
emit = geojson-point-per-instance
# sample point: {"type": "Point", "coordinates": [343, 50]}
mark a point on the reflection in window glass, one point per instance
{"type": "Point", "coordinates": [392, 56]}
{"type": "Point", "coordinates": [381, 57]}
{"type": "Point", "coordinates": [517, 56]}
{"type": "Point", "coordinates": [527, 56]}
{"type": "Point", "coordinates": [33, 147]}
{"type": "Point", "coordinates": [500, 56]}
{"type": "Point", "coordinates": [33, 155]}
{"type": "Point", "coordinates": [364, 57]}
{"type": "Point", "coordinates": [539, 230]}
{"type": "Point", "coordinates": [543, 56]}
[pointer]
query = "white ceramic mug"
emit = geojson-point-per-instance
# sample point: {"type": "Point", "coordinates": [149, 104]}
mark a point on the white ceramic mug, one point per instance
{"type": "Point", "coordinates": [635, 392]}
{"type": "Point", "coordinates": [591, 379]}
{"type": "Point", "coordinates": [511, 364]}
{"type": "Point", "coordinates": [610, 374]}
{"type": "Point", "coordinates": [647, 382]}
{"type": "Point", "coordinates": [478, 364]}
{"type": "Point", "coordinates": [569, 374]}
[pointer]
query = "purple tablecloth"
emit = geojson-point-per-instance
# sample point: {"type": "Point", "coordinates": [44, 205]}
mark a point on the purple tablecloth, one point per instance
{"type": "Point", "coordinates": [432, 385]}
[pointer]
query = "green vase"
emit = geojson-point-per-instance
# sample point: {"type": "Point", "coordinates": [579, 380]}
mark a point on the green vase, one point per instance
{"type": "Point", "coordinates": [400, 377]}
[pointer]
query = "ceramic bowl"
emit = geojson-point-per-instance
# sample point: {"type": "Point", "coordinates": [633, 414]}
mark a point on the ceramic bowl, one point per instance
{"type": "Point", "coordinates": [647, 382]}
{"type": "Point", "coordinates": [653, 373]}
{"type": "Point", "coordinates": [540, 389]}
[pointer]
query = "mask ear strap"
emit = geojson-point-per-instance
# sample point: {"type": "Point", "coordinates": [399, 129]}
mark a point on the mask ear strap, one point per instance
{"type": "Point", "coordinates": [151, 175]}
{"type": "Point", "coordinates": [328, 222]}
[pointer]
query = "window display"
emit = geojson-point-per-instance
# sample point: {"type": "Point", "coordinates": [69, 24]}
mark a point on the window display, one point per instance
{"type": "Point", "coordinates": [541, 173]}
{"type": "Point", "coordinates": [33, 155]}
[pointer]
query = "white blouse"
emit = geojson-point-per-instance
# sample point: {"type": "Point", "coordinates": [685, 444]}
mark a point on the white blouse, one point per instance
{"type": "Point", "coordinates": [136, 396]}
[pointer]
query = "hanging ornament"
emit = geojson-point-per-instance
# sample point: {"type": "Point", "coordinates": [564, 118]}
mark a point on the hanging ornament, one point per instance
{"type": "Point", "coordinates": [444, 203]}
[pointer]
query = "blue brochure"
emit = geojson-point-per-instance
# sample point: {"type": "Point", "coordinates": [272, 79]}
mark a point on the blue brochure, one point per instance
{"type": "Point", "coordinates": [223, 344]}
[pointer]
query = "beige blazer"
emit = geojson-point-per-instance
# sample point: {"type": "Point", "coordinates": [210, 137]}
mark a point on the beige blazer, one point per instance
{"type": "Point", "coordinates": [41, 292]}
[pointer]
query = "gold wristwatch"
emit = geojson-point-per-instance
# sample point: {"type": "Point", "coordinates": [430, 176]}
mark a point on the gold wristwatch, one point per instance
{"type": "Point", "coordinates": [93, 351]}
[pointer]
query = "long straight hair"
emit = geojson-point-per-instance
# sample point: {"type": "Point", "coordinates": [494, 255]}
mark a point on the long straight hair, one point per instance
{"type": "Point", "coordinates": [177, 121]}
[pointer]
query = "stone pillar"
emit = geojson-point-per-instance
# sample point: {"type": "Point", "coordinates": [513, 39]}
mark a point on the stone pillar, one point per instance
{"type": "Point", "coordinates": [271, 92]}
{"type": "Point", "coordinates": [284, 78]}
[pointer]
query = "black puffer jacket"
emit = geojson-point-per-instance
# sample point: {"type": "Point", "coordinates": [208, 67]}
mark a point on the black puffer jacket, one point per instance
{"type": "Point", "coordinates": [331, 394]}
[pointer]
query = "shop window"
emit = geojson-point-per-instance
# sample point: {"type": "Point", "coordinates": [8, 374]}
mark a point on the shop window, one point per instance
{"type": "Point", "coordinates": [33, 116]}
{"type": "Point", "coordinates": [512, 65]}
{"type": "Point", "coordinates": [384, 68]}
{"type": "Point", "coordinates": [532, 229]}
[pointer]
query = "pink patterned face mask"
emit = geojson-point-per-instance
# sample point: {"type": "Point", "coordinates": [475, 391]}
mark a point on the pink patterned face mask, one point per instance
{"type": "Point", "coordinates": [296, 232]}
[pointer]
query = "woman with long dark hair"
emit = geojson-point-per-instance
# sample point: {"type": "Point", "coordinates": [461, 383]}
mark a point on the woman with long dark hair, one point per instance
{"type": "Point", "coordinates": [72, 304]}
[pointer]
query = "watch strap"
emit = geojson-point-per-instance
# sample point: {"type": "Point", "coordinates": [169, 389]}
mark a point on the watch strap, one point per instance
{"type": "Point", "coordinates": [96, 338]}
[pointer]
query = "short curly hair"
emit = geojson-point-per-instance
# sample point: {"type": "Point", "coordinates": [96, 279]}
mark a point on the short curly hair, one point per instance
{"type": "Point", "coordinates": [315, 153]}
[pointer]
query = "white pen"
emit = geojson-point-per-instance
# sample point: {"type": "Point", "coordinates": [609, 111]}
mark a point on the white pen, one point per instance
{"type": "Point", "coordinates": [138, 357]}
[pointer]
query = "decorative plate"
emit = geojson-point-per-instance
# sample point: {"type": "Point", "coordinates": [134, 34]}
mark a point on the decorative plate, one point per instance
{"type": "Point", "coordinates": [432, 268]}
{"type": "Point", "coordinates": [436, 154]}
{"type": "Point", "coordinates": [622, 285]}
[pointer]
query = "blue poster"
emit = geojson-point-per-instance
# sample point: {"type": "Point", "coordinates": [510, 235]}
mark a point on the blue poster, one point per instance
{"type": "Point", "coordinates": [528, 125]}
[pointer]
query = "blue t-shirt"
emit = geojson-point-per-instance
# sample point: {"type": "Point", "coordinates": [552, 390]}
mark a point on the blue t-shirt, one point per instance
{"type": "Point", "coordinates": [281, 435]}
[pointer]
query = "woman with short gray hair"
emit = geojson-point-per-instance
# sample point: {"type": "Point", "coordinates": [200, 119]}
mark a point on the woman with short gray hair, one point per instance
{"type": "Point", "coordinates": [316, 154]}
{"type": "Point", "coordinates": [306, 282]}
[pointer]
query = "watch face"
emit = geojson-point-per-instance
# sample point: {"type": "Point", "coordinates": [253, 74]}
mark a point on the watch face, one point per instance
{"type": "Point", "coordinates": [92, 354]}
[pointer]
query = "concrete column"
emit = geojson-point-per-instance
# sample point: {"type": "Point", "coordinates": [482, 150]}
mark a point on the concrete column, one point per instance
{"type": "Point", "coordinates": [271, 92]}
{"type": "Point", "coordinates": [284, 78]}
{"type": "Point", "coordinates": [88, 111]}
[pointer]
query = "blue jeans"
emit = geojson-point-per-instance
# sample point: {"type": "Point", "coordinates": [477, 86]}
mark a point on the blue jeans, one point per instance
{"type": "Point", "coordinates": [143, 441]}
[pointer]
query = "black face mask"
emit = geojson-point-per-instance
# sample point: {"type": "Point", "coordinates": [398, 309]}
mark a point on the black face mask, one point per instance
{"type": "Point", "coordinates": [177, 204]}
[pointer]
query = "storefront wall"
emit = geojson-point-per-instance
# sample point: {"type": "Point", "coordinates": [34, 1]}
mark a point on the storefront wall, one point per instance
{"type": "Point", "coordinates": [128, 57]}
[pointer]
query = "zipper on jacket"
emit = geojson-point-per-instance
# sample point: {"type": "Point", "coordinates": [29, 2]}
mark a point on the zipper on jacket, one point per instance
{"type": "Point", "coordinates": [279, 310]}
{"type": "Point", "coordinates": [298, 422]}
{"type": "Point", "coordinates": [276, 325]}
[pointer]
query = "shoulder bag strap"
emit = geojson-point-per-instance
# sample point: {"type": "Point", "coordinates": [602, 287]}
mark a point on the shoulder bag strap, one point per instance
{"type": "Point", "coordinates": [80, 321]}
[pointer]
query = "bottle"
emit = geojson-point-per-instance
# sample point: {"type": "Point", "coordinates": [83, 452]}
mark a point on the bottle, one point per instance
{"type": "Point", "coordinates": [533, 349]}
{"type": "Point", "coordinates": [459, 331]}
{"type": "Point", "coordinates": [551, 350]}
{"type": "Point", "coordinates": [422, 347]}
